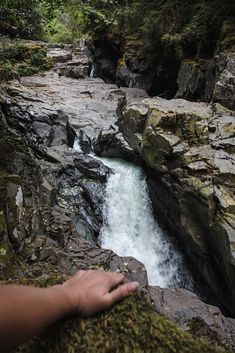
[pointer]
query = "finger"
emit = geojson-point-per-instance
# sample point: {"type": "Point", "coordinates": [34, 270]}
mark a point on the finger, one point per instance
{"type": "Point", "coordinates": [121, 292]}
{"type": "Point", "coordinates": [114, 279]}
{"type": "Point", "coordinates": [79, 273]}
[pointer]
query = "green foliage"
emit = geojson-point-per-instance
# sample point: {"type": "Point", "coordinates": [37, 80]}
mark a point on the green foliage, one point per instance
{"type": "Point", "coordinates": [56, 22]}
{"type": "Point", "coordinates": [96, 16]}
{"type": "Point", "coordinates": [24, 69]}
{"type": "Point", "coordinates": [163, 26]}
{"type": "Point", "coordinates": [19, 18]}
{"type": "Point", "coordinates": [23, 57]}
{"type": "Point", "coordinates": [58, 29]}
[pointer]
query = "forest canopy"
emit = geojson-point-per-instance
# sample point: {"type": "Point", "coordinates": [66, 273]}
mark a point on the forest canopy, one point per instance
{"type": "Point", "coordinates": [175, 23]}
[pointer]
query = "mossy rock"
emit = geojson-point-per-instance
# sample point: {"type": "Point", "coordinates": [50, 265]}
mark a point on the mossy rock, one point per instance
{"type": "Point", "coordinates": [130, 326]}
{"type": "Point", "coordinates": [25, 58]}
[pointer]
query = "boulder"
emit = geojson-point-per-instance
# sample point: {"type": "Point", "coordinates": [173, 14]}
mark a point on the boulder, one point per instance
{"type": "Point", "coordinates": [193, 315]}
{"type": "Point", "coordinates": [111, 143]}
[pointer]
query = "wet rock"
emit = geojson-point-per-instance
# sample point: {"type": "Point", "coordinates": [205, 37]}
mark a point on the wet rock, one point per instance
{"type": "Point", "coordinates": [38, 121]}
{"type": "Point", "coordinates": [83, 142]}
{"type": "Point", "coordinates": [78, 67]}
{"type": "Point", "coordinates": [80, 184]}
{"type": "Point", "coordinates": [112, 144]}
{"type": "Point", "coordinates": [86, 105]}
{"type": "Point", "coordinates": [91, 168]}
{"type": "Point", "coordinates": [193, 315]}
{"type": "Point", "coordinates": [59, 54]}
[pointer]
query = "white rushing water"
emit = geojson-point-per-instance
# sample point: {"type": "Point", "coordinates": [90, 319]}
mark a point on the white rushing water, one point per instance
{"type": "Point", "coordinates": [129, 228]}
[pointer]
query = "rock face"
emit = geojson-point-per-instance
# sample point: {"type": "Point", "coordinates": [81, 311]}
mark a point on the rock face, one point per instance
{"type": "Point", "coordinates": [224, 90]}
{"type": "Point", "coordinates": [192, 79]}
{"type": "Point", "coordinates": [208, 80]}
{"type": "Point", "coordinates": [59, 55]}
{"type": "Point", "coordinates": [198, 75]}
{"type": "Point", "coordinates": [189, 152]}
{"type": "Point", "coordinates": [193, 315]}
{"type": "Point", "coordinates": [214, 78]}
{"type": "Point", "coordinates": [132, 74]}
{"type": "Point", "coordinates": [78, 67]}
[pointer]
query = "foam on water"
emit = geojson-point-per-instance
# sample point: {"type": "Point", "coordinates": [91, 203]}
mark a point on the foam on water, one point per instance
{"type": "Point", "coordinates": [130, 229]}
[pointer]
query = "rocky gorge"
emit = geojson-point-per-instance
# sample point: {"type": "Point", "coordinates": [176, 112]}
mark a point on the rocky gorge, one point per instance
{"type": "Point", "coordinates": [52, 193]}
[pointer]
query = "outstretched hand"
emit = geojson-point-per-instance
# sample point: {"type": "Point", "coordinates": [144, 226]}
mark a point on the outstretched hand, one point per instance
{"type": "Point", "coordinates": [89, 292]}
{"type": "Point", "coordinates": [25, 311]}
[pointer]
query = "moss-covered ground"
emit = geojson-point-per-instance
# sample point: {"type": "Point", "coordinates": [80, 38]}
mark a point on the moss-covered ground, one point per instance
{"type": "Point", "coordinates": [130, 326]}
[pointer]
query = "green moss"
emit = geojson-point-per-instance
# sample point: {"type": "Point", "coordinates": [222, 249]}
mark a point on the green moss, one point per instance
{"type": "Point", "coordinates": [24, 69]}
{"type": "Point", "coordinates": [23, 57]}
{"type": "Point", "coordinates": [198, 327]}
{"type": "Point", "coordinates": [130, 326]}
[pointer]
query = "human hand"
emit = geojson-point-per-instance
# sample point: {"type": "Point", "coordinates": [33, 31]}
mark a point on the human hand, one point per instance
{"type": "Point", "coordinates": [89, 292]}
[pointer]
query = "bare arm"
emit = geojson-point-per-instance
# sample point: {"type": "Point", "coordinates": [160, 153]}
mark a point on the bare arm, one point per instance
{"type": "Point", "coordinates": [25, 311]}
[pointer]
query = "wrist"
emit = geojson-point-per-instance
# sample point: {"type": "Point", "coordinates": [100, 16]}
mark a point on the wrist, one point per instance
{"type": "Point", "coordinates": [61, 299]}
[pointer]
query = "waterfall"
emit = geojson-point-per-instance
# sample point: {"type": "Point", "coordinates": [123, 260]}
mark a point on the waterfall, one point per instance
{"type": "Point", "coordinates": [81, 43]}
{"type": "Point", "coordinates": [77, 145]}
{"type": "Point", "coordinates": [129, 227]}
{"type": "Point", "coordinates": [92, 71]}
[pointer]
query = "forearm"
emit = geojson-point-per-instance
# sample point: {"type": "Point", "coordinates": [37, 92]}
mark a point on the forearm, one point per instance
{"type": "Point", "coordinates": [25, 311]}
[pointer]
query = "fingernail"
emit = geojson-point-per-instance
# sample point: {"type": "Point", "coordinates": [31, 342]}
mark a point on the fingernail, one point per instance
{"type": "Point", "coordinates": [133, 285]}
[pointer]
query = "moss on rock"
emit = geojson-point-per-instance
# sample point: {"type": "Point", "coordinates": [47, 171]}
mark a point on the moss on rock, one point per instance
{"type": "Point", "coordinates": [130, 326]}
{"type": "Point", "coordinates": [22, 57]}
